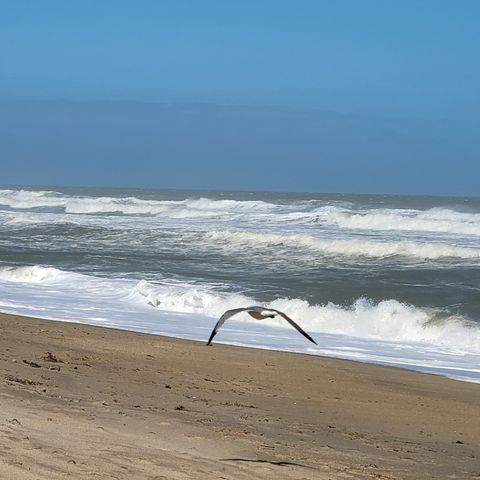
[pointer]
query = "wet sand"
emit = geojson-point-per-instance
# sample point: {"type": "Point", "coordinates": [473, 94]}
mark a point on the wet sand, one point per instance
{"type": "Point", "coordinates": [80, 402]}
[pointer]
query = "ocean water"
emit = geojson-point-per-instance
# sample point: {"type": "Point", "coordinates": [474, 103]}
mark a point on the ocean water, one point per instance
{"type": "Point", "coordinates": [381, 279]}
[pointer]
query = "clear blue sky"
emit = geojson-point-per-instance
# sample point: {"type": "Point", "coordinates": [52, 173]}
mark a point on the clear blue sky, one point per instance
{"type": "Point", "coordinates": [376, 60]}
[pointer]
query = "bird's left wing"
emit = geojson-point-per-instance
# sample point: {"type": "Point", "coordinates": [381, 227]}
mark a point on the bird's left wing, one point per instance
{"type": "Point", "coordinates": [221, 321]}
{"type": "Point", "coordinates": [294, 325]}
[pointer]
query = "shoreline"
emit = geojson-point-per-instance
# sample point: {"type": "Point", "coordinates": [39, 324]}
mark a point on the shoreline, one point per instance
{"type": "Point", "coordinates": [83, 401]}
{"type": "Point", "coordinates": [443, 366]}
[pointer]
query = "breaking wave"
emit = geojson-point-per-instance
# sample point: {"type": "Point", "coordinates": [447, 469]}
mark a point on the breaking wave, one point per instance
{"type": "Point", "coordinates": [387, 320]}
{"type": "Point", "coordinates": [440, 220]}
{"type": "Point", "coordinates": [33, 274]}
{"type": "Point", "coordinates": [25, 199]}
{"type": "Point", "coordinates": [343, 247]}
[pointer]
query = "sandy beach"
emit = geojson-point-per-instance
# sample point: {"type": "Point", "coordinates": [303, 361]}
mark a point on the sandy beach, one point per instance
{"type": "Point", "coordinates": [81, 402]}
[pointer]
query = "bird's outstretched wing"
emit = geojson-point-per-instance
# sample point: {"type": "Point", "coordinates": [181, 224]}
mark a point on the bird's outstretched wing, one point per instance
{"type": "Point", "coordinates": [221, 321]}
{"type": "Point", "coordinates": [231, 313]}
{"type": "Point", "coordinates": [293, 324]}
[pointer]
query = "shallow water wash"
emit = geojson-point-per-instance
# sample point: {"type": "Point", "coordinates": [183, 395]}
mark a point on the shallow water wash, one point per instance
{"type": "Point", "coordinates": [380, 279]}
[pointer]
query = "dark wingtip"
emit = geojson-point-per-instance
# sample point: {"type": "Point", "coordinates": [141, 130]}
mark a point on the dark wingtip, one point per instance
{"type": "Point", "coordinates": [310, 338]}
{"type": "Point", "coordinates": [209, 343]}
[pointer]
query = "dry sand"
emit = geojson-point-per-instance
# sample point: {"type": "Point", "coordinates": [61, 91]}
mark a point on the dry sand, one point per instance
{"type": "Point", "coordinates": [80, 402]}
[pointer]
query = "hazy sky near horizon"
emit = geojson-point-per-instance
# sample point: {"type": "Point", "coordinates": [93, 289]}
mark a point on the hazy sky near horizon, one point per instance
{"type": "Point", "coordinates": [403, 76]}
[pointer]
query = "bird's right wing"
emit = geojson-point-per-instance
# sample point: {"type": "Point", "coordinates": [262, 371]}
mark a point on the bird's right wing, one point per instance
{"type": "Point", "coordinates": [221, 321]}
{"type": "Point", "coordinates": [295, 325]}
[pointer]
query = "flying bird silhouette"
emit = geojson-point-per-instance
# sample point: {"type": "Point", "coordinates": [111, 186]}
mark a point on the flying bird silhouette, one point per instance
{"type": "Point", "coordinates": [259, 313]}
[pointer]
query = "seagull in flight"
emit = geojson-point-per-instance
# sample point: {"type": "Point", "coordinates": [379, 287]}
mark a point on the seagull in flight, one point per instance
{"type": "Point", "coordinates": [258, 313]}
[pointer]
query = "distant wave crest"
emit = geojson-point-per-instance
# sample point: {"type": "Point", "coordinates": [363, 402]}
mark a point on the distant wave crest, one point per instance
{"type": "Point", "coordinates": [201, 207]}
{"type": "Point", "coordinates": [440, 220]}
